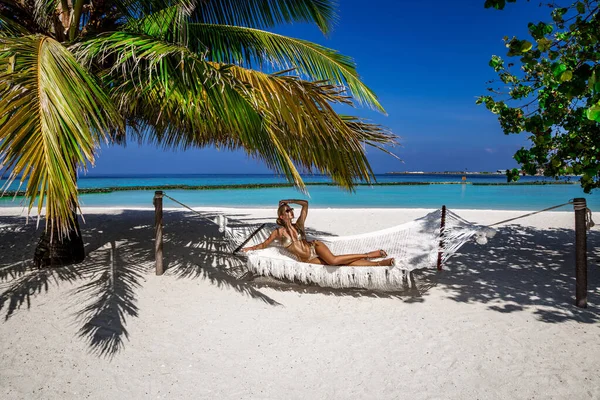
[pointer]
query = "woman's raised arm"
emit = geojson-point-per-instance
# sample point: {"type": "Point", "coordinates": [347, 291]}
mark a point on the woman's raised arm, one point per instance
{"type": "Point", "coordinates": [303, 212]}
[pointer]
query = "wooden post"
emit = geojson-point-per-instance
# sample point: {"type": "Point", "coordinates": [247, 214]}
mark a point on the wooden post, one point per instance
{"type": "Point", "coordinates": [441, 248]}
{"type": "Point", "coordinates": [158, 228]}
{"type": "Point", "coordinates": [580, 207]}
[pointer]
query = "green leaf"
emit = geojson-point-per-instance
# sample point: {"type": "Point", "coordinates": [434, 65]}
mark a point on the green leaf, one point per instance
{"type": "Point", "coordinates": [566, 76]}
{"type": "Point", "coordinates": [497, 4]}
{"type": "Point", "coordinates": [497, 63]}
{"type": "Point", "coordinates": [512, 175]}
{"type": "Point", "coordinates": [526, 45]}
{"type": "Point", "coordinates": [544, 44]}
{"type": "Point", "coordinates": [593, 113]}
{"type": "Point", "coordinates": [557, 14]}
{"type": "Point", "coordinates": [558, 69]}
{"type": "Point", "coordinates": [580, 7]}
{"type": "Point", "coordinates": [534, 124]}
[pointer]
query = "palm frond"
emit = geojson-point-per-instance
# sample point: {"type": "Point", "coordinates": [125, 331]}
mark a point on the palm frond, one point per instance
{"type": "Point", "coordinates": [12, 17]}
{"type": "Point", "coordinates": [174, 98]}
{"type": "Point", "coordinates": [305, 130]}
{"type": "Point", "coordinates": [10, 28]}
{"type": "Point", "coordinates": [373, 135]}
{"type": "Point", "coordinates": [45, 13]}
{"type": "Point", "coordinates": [55, 116]}
{"type": "Point", "coordinates": [159, 24]}
{"type": "Point", "coordinates": [135, 10]}
{"type": "Point", "coordinates": [167, 90]}
{"type": "Point", "coordinates": [168, 23]}
{"type": "Point", "coordinates": [267, 13]}
{"type": "Point", "coordinates": [180, 100]}
{"type": "Point", "coordinates": [247, 47]}
{"type": "Point", "coordinates": [251, 13]}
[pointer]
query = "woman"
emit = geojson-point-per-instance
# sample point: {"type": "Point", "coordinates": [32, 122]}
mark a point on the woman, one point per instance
{"type": "Point", "coordinates": [292, 236]}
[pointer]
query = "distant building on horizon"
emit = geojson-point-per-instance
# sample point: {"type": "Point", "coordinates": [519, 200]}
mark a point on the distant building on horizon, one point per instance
{"type": "Point", "coordinates": [500, 171]}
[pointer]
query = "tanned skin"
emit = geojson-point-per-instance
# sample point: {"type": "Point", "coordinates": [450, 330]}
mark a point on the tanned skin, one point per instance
{"type": "Point", "coordinates": [294, 232]}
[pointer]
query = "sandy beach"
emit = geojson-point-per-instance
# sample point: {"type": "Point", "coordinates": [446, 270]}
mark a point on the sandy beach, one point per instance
{"type": "Point", "coordinates": [497, 323]}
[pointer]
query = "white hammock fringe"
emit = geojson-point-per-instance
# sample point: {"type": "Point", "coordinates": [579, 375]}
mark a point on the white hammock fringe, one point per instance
{"type": "Point", "coordinates": [413, 245]}
{"type": "Point", "coordinates": [381, 278]}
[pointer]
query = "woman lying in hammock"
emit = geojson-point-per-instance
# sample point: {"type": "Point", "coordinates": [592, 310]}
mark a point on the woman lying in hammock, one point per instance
{"type": "Point", "coordinates": [292, 236]}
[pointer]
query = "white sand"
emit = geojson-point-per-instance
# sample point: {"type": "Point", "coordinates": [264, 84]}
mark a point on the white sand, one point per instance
{"type": "Point", "coordinates": [498, 323]}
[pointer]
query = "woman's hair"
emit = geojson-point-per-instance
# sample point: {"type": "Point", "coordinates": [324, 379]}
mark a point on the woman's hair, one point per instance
{"type": "Point", "coordinates": [281, 211]}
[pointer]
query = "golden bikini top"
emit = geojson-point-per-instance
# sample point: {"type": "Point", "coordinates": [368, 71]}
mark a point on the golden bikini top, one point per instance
{"type": "Point", "coordinates": [287, 242]}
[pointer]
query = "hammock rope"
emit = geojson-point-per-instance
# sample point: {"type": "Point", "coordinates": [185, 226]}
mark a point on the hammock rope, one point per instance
{"type": "Point", "coordinates": [576, 205]}
{"type": "Point", "coordinates": [188, 207]}
{"type": "Point", "coordinates": [222, 221]}
{"type": "Point", "coordinates": [532, 213]}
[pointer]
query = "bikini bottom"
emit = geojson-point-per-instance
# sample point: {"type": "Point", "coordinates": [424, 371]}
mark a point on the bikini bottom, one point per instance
{"type": "Point", "coordinates": [313, 253]}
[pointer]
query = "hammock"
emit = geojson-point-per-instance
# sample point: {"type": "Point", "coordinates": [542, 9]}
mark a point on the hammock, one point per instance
{"type": "Point", "coordinates": [414, 245]}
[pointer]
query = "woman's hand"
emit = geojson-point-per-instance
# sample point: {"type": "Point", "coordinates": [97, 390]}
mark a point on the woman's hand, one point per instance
{"type": "Point", "coordinates": [303, 213]}
{"type": "Point", "coordinates": [295, 201]}
{"type": "Point", "coordinates": [262, 245]}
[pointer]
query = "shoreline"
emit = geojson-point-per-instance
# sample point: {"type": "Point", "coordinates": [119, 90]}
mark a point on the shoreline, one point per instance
{"type": "Point", "coordinates": [21, 211]}
{"type": "Point", "coordinates": [255, 186]}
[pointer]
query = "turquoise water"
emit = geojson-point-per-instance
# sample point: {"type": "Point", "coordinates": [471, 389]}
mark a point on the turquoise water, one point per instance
{"type": "Point", "coordinates": [228, 179]}
{"type": "Point", "coordinates": [516, 197]}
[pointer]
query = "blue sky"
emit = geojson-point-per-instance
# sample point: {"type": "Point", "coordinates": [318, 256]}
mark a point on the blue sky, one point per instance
{"type": "Point", "coordinates": [427, 62]}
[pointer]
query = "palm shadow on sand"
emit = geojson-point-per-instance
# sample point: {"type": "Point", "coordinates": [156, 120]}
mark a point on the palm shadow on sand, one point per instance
{"type": "Point", "coordinates": [522, 267]}
{"type": "Point", "coordinates": [117, 262]}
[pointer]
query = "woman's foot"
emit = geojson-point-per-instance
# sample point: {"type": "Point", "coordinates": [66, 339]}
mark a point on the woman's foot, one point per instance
{"type": "Point", "coordinates": [376, 254]}
{"type": "Point", "coordinates": [388, 262]}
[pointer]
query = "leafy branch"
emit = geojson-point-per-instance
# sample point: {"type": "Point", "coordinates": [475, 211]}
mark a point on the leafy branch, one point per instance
{"type": "Point", "coordinates": [559, 77]}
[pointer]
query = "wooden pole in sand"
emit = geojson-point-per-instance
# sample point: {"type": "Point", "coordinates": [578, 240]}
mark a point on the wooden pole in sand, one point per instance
{"type": "Point", "coordinates": [580, 207]}
{"type": "Point", "coordinates": [158, 228]}
{"type": "Point", "coordinates": [441, 248]}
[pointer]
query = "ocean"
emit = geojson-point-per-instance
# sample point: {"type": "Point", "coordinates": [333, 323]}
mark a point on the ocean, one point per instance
{"type": "Point", "coordinates": [445, 190]}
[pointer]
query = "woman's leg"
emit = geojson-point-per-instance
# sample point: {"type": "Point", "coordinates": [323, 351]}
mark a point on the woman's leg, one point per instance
{"type": "Point", "coordinates": [330, 259]}
{"type": "Point", "coordinates": [376, 254]}
{"type": "Point", "coordinates": [368, 263]}
{"type": "Point", "coordinates": [346, 259]}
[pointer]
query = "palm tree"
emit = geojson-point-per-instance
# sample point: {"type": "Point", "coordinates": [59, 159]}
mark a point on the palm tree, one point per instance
{"type": "Point", "coordinates": [176, 73]}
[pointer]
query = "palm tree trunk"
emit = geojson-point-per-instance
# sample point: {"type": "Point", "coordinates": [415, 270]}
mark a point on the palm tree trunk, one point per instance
{"type": "Point", "coordinates": [54, 251]}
